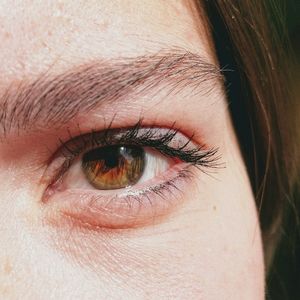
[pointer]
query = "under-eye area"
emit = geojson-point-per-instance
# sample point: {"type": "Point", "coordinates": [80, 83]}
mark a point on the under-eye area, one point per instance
{"type": "Point", "coordinates": [125, 177]}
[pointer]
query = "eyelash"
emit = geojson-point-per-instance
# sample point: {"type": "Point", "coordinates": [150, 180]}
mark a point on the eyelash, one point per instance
{"type": "Point", "coordinates": [151, 137]}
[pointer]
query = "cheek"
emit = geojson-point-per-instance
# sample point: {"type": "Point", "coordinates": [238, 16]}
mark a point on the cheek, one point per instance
{"type": "Point", "coordinates": [235, 242]}
{"type": "Point", "coordinates": [208, 249]}
{"type": "Point", "coordinates": [228, 241]}
{"type": "Point", "coordinates": [237, 231]}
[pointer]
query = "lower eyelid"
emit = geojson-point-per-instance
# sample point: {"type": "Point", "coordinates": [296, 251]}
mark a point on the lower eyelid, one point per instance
{"type": "Point", "coordinates": [134, 208]}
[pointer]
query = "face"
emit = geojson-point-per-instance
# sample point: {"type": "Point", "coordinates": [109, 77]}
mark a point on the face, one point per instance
{"type": "Point", "coordinates": [121, 176]}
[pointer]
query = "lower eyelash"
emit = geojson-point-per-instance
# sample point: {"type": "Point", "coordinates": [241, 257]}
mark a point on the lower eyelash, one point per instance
{"type": "Point", "coordinates": [137, 208]}
{"type": "Point", "coordinates": [166, 187]}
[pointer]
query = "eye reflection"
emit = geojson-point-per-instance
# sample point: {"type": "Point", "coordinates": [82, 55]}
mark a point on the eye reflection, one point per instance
{"type": "Point", "coordinates": [114, 167]}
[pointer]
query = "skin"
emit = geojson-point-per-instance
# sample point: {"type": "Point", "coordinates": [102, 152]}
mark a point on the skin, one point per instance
{"type": "Point", "coordinates": [207, 247]}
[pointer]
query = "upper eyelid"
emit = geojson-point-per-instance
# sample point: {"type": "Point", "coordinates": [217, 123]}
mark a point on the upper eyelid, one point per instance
{"type": "Point", "coordinates": [109, 136]}
{"type": "Point", "coordinates": [151, 137]}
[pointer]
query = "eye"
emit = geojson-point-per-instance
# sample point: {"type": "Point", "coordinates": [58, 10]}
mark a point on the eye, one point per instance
{"type": "Point", "coordinates": [114, 167]}
{"type": "Point", "coordinates": [121, 178]}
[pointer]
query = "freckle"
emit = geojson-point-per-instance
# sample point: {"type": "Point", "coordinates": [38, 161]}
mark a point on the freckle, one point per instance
{"type": "Point", "coordinates": [214, 208]}
{"type": "Point", "coordinates": [103, 26]}
{"type": "Point", "coordinates": [4, 290]}
{"type": "Point", "coordinates": [7, 267]}
{"type": "Point", "coordinates": [44, 44]}
{"type": "Point", "coordinates": [7, 35]}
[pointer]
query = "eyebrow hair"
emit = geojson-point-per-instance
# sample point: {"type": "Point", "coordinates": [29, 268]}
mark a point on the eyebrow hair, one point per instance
{"type": "Point", "coordinates": [58, 99]}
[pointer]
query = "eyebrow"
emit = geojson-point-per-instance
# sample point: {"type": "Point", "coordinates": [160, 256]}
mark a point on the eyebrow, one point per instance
{"type": "Point", "coordinates": [57, 99]}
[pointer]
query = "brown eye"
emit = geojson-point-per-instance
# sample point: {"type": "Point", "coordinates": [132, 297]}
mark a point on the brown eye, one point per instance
{"type": "Point", "coordinates": [114, 167]}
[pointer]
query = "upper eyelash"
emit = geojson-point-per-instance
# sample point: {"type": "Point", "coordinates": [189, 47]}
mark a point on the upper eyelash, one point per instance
{"type": "Point", "coordinates": [198, 156]}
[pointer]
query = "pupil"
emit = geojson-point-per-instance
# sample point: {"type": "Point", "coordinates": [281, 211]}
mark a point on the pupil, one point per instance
{"type": "Point", "coordinates": [112, 160]}
{"type": "Point", "coordinates": [114, 167]}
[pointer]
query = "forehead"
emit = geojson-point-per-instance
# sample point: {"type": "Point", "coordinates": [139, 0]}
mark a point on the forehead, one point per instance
{"type": "Point", "coordinates": [38, 35]}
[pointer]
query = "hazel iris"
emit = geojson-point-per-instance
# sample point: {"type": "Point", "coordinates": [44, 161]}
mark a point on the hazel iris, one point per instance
{"type": "Point", "coordinates": [114, 167]}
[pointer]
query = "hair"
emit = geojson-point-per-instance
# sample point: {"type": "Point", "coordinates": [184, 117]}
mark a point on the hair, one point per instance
{"type": "Point", "coordinates": [250, 42]}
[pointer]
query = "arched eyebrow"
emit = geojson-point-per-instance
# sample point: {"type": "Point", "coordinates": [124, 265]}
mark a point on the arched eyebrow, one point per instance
{"type": "Point", "coordinates": [55, 100]}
